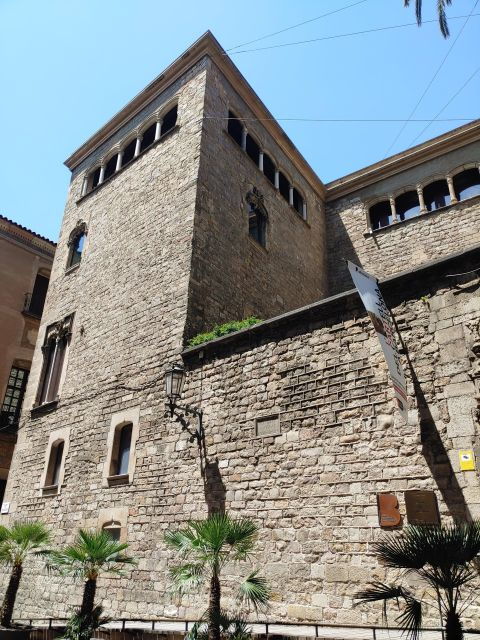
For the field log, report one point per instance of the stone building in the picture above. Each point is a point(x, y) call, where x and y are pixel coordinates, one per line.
point(192, 207)
point(25, 263)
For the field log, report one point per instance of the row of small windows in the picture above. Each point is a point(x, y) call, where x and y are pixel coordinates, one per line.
point(265, 163)
point(433, 196)
point(143, 141)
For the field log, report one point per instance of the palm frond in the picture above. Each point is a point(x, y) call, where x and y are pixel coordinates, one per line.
point(187, 576)
point(254, 590)
point(411, 617)
point(242, 537)
point(22, 539)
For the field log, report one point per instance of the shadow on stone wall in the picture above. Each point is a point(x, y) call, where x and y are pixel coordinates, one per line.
point(213, 485)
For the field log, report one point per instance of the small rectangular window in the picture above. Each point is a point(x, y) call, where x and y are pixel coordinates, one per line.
point(235, 128)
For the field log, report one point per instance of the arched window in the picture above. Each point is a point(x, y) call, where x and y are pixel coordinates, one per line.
point(235, 128)
point(121, 450)
point(284, 186)
point(407, 205)
point(94, 178)
point(380, 215)
point(436, 195)
point(268, 168)
point(55, 347)
point(110, 167)
point(55, 463)
point(129, 152)
point(114, 529)
point(76, 249)
point(257, 217)
point(169, 120)
point(467, 183)
point(148, 137)
point(298, 201)
point(252, 149)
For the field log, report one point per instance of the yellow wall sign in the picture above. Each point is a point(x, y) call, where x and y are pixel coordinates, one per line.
point(467, 460)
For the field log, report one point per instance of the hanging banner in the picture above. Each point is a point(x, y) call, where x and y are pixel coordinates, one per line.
point(369, 291)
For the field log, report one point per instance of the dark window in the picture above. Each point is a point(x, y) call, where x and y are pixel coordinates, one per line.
point(298, 202)
point(269, 168)
point(252, 149)
point(76, 249)
point(12, 402)
point(284, 186)
point(235, 128)
point(148, 137)
point(129, 152)
point(407, 205)
point(56, 457)
point(169, 120)
point(257, 224)
point(113, 529)
point(3, 486)
point(37, 299)
point(436, 195)
point(380, 215)
point(54, 350)
point(467, 184)
point(95, 178)
point(124, 443)
point(110, 167)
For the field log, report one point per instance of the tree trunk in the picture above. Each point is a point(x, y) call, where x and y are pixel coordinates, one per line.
point(453, 626)
point(214, 608)
point(88, 601)
point(6, 611)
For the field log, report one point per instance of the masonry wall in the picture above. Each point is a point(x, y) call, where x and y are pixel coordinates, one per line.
point(232, 275)
point(407, 244)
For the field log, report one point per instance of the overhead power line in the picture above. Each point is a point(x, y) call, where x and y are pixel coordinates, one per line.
point(299, 24)
point(432, 80)
point(219, 117)
point(436, 118)
point(342, 35)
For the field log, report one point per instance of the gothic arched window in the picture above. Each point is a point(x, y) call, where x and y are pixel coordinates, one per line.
point(257, 217)
point(76, 243)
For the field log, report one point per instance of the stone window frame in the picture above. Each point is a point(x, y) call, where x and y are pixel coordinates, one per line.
point(119, 147)
point(419, 187)
point(60, 435)
point(117, 421)
point(114, 515)
point(278, 167)
point(81, 228)
point(255, 202)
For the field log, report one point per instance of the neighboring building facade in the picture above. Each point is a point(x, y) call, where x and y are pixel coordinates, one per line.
point(25, 264)
point(191, 207)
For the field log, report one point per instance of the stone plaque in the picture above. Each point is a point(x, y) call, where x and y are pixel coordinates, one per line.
point(422, 507)
point(267, 426)
point(5, 507)
point(388, 512)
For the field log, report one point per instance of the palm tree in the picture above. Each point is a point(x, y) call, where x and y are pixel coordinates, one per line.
point(91, 554)
point(442, 16)
point(206, 546)
point(445, 558)
point(16, 544)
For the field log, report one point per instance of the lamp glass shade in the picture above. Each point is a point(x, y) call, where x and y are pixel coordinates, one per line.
point(174, 379)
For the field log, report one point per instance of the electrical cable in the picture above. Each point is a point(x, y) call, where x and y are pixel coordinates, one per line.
point(436, 119)
point(337, 119)
point(343, 35)
point(432, 80)
point(299, 24)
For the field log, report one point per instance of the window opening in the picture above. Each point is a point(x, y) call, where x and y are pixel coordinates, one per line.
point(252, 149)
point(381, 215)
point(124, 445)
point(95, 177)
point(110, 167)
point(76, 249)
point(467, 184)
point(14, 394)
point(298, 201)
point(148, 137)
point(114, 529)
point(37, 299)
point(257, 217)
point(269, 168)
point(436, 195)
point(407, 205)
point(129, 152)
point(54, 350)
point(3, 486)
point(284, 186)
point(235, 128)
point(169, 120)
point(56, 457)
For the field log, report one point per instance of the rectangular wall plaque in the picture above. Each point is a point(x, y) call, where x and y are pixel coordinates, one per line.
point(467, 460)
point(267, 426)
point(422, 507)
point(388, 512)
point(5, 507)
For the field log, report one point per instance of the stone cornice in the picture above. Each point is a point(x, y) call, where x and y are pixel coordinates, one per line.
point(405, 160)
point(13, 232)
point(207, 45)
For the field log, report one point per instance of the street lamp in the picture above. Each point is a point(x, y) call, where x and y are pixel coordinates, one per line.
point(174, 381)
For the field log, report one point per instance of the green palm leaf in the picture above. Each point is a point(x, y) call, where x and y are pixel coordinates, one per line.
point(254, 590)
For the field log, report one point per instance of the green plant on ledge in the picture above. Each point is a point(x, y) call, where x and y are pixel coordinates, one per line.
point(220, 330)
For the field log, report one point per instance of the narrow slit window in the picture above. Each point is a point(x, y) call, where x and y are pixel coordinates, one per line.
point(124, 445)
point(169, 120)
point(257, 224)
point(268, 168)
point(436, 195)
point(235, 128)
point(284, 186)
point(380, 215)
point(467, 184)
point(407, 205)
point(55, 464)
point(148, 137)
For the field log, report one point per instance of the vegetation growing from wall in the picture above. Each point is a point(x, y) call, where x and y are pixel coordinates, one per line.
point(220, 330)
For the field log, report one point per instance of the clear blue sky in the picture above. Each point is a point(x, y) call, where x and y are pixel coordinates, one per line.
point(68, 66)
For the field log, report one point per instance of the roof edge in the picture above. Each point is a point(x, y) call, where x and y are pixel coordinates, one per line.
point(25, 230)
